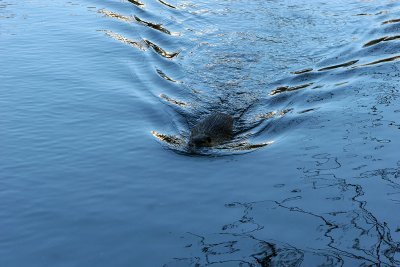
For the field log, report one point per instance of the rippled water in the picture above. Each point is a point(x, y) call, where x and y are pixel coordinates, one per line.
point(97, 100)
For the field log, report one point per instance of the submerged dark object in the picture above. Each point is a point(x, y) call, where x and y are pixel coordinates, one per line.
point(211, 131)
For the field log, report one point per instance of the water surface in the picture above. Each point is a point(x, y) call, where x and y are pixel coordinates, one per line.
point(97, 101)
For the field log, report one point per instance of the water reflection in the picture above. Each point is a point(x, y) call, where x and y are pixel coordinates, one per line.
point(342, 230)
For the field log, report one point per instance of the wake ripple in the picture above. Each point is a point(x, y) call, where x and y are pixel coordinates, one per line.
point(266, 112)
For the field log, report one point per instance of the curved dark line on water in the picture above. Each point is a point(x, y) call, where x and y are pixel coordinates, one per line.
point(383, 39)
point(152, 25)
point(363, 14)
point(339, 65)
point(166, 4)
point(141, 45)
point(302, 71)
point(391, 21)
point(306, 110)
point(380, 61)
point(160, 51)
point(165, 76)
point(173, 101)
point(342, 83)
point(137, 3)
point(283, 89)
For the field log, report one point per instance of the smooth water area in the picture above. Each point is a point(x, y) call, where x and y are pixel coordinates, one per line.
point(97, 99)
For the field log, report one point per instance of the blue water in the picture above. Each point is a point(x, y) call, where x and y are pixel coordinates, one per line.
point(97, 101)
